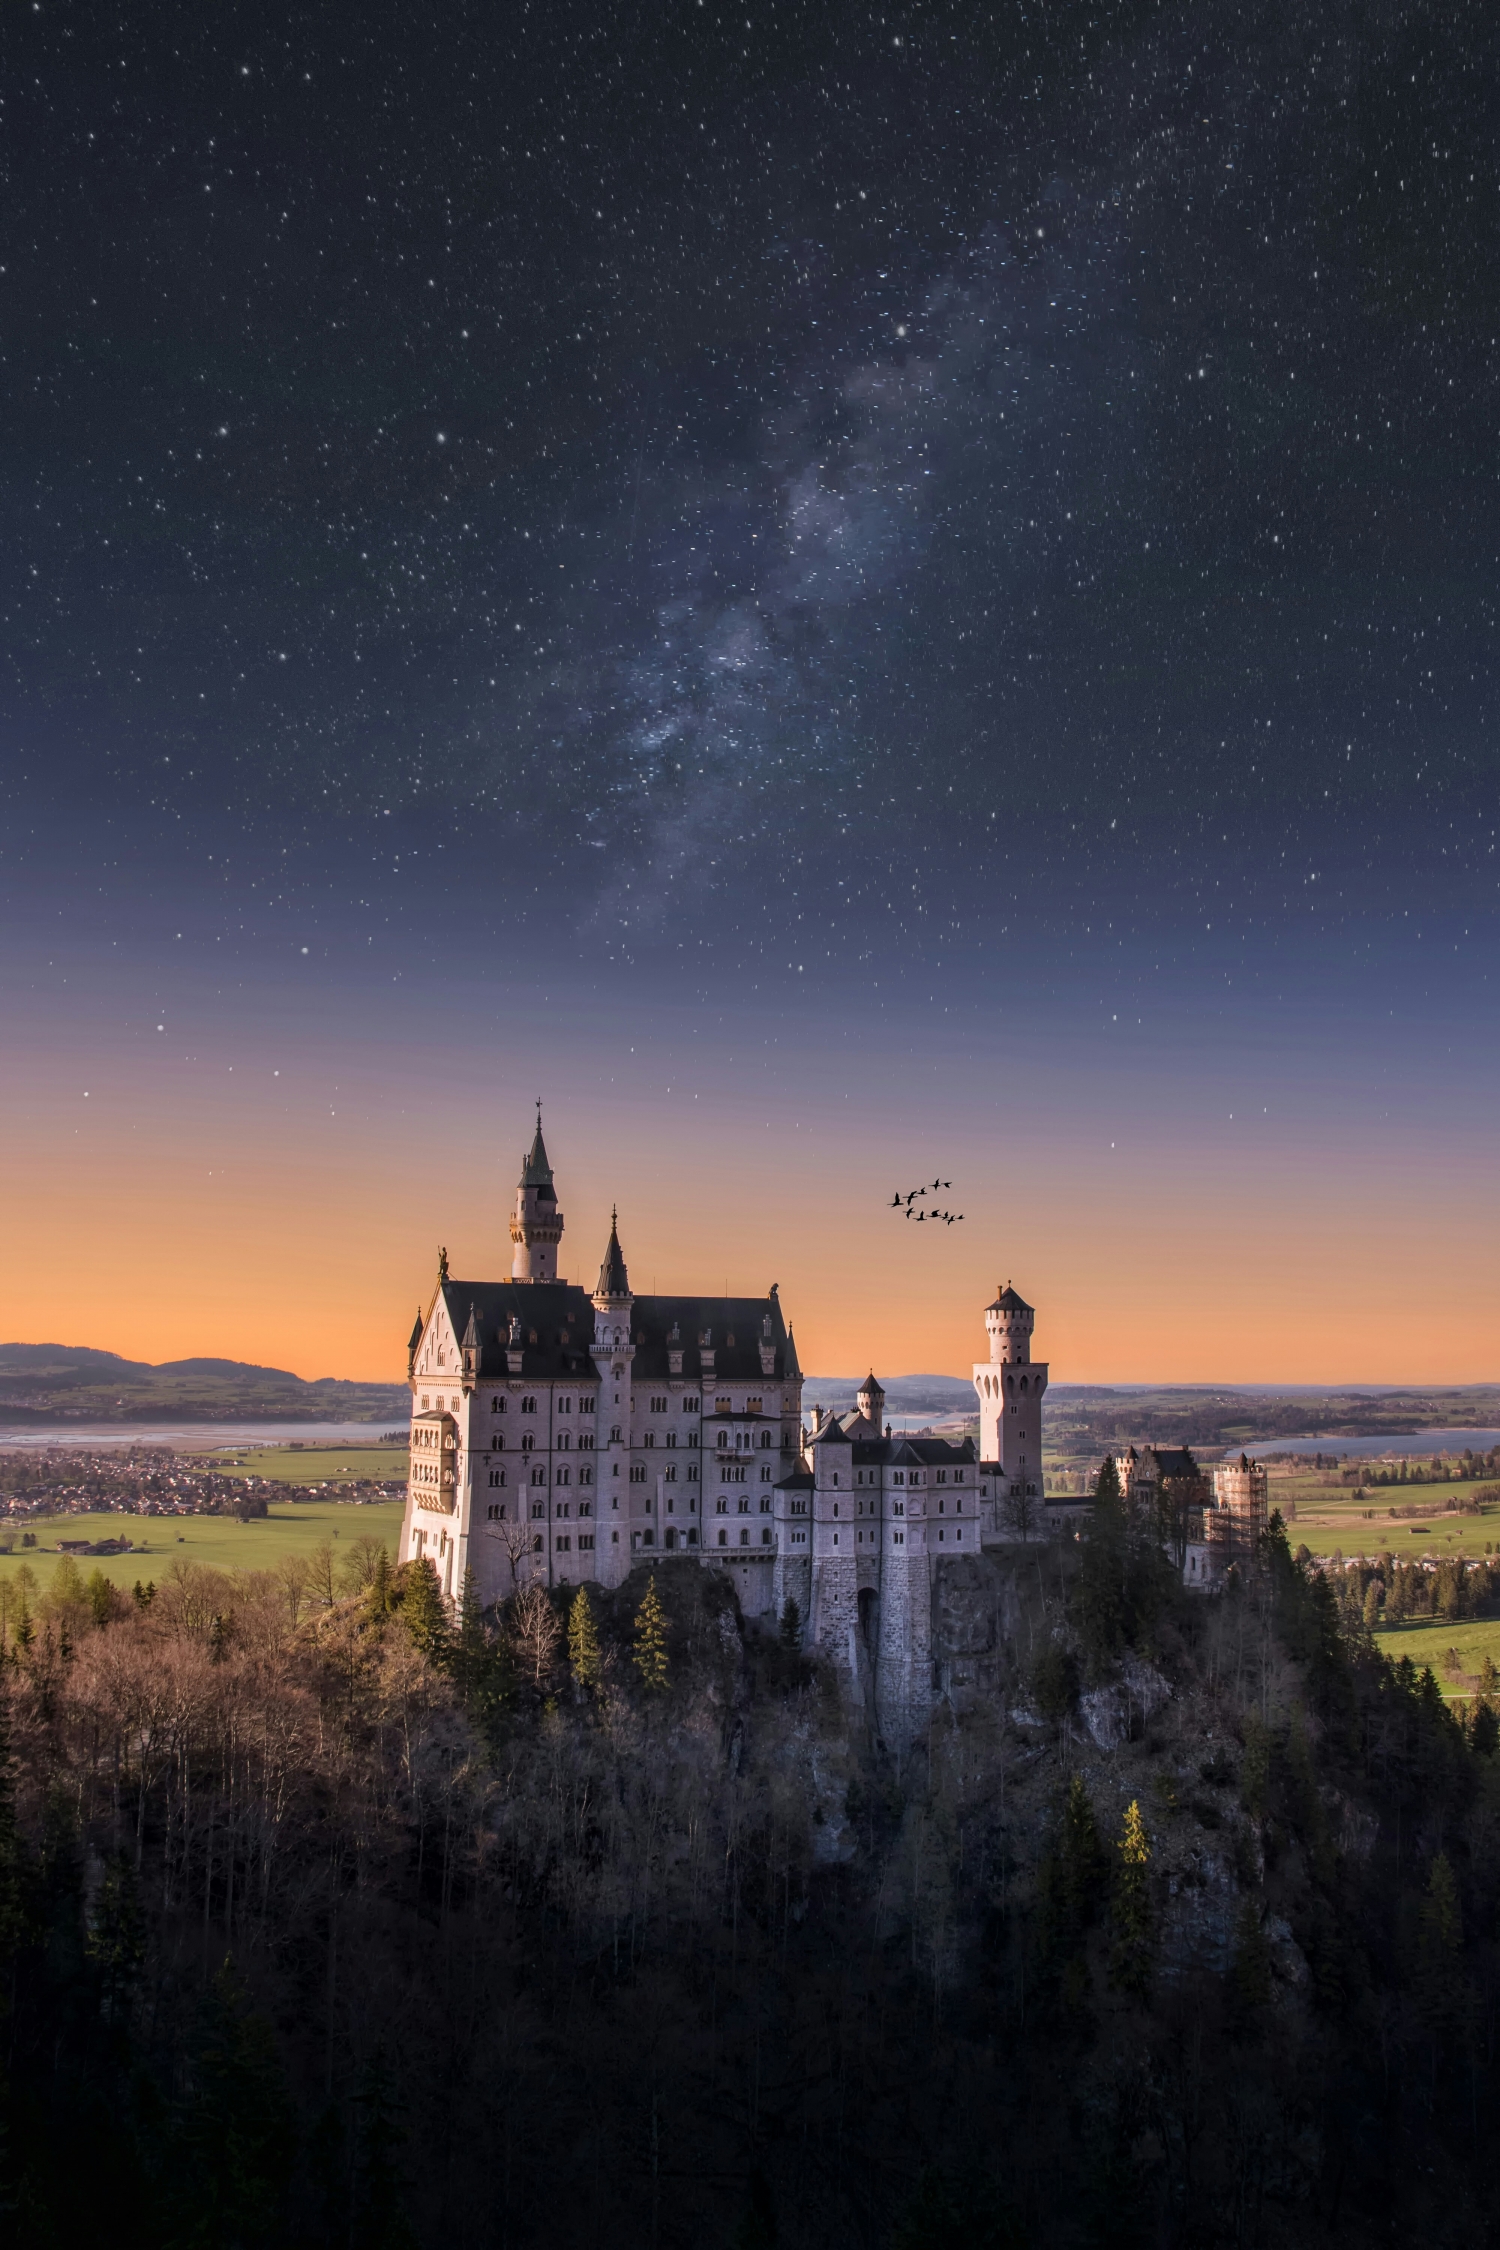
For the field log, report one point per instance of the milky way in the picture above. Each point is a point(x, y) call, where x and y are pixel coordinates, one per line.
point(692, 466)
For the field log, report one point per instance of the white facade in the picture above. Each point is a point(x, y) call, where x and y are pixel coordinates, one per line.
point(567, 1436)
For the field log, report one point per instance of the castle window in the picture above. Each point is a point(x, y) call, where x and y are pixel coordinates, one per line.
point(585, 1406)
point(538, 1476)
point(538, 1510)
point(563, 1546)
point(723, 1437)
point(765, 1537)
point(723, 1539)
point(942, 1476)
point(650, 1437)
point(765, 1476)
point(898, 1477)
point(692, 1438)
point(497, 1514)
point(765, 1507)
point(670, 1475)
point(744, 1507)
point(637, 1472)
point(692, 1475)
point(536, 1544)
point(692, 1537)
point(898, 1538)
point(562, 1477)
point(564, 1440)
point(648, 1537)
point(658, 1406)
point(744, 1538)
point(497, 1441)
point(585, 1507)
point(691, 1405)
point(426, 1403)
point(585, 1476)
point(565, 1405)
point(528, 1405)
point(671, 1437)
point(497, 1405)
point(586, 1545)
point(585, 1441)
point(721, 1507)
point(528, 1442)
point(497, 1478)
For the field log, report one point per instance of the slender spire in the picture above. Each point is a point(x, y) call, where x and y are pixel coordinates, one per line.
point(471, 1333)
point(614, 1281)
point(793, 1369)
point(535, 1170)
point(415, 1337)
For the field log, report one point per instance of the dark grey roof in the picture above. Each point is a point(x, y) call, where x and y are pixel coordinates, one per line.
point(1009, 1300)
point(419, 1329)
point(800, 1480)
point(915, 1453)
point(872, 1385)
point(830, 1431)
point(562, 1317)
point(535, 1170)
point(614, 1281)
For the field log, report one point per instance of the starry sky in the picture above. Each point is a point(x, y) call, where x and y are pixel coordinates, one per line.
point(841, 595)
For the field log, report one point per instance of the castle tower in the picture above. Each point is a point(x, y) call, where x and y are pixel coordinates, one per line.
point(536, 1223)
point(871, 1403)
point(1010, 1386)
point(613, 1355)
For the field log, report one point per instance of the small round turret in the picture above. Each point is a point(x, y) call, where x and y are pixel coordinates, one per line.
point(1009, 1322)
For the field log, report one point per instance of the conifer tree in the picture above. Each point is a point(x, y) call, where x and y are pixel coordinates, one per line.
point(422, 1610)
point(650, 1655)
point(584, 1660)
point(380, 1600)
point(1132, 1928)
point(473, 1658)
point(791, 1625)
point(1103, 1576)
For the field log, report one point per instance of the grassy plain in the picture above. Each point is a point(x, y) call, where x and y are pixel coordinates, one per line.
point(218, 1540)
point(1328, 1520)
point(344, 1464)
point(1428, 1640)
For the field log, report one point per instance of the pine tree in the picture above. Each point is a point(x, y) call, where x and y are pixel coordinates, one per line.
point(380, 1600)
point(1071, 1880)
point(474, 1659)
point(12, 1851)
point(791, 1625)
point(584, 1660)
point(101, 1597)
point(1103, 1576)
point(1132, 1927)
point(422, 1609)
point(650, 1654)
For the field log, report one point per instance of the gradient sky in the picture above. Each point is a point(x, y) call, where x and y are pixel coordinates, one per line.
point(843, 596)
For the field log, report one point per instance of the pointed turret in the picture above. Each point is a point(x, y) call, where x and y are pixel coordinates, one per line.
point(614, 1281)
point(536, 1223)
point(470, 1347)
point(792, 1364)
point(413, 1342)
point(871, 1401)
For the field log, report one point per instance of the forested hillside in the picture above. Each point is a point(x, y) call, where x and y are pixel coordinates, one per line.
point(326, 1921)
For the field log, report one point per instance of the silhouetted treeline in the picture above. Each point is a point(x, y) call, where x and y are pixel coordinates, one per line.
point(326, 1919)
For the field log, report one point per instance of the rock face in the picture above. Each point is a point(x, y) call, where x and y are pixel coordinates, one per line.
point(975, 1612)
point(1114, 1713)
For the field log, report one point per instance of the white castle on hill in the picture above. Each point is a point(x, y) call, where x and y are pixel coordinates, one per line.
point(568, 1435)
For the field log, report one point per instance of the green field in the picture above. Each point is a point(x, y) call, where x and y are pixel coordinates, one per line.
point(1427, 1641)
point(218, 1540)
point(1327, 1521)
point(345, 1464)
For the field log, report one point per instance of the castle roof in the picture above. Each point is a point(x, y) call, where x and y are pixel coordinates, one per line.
point(870, 1386)
point(1009, 1300)
point(535, 1170)
point(913, 1453)
point(614, 1281)
point(557, 1331)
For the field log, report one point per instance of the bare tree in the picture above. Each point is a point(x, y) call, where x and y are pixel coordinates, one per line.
point(1021, 1510)
point(320, 1575)
point(515, 1539)
point(535, 1630)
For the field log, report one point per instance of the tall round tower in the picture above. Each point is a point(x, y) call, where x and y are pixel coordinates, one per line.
point(536, 1224)
point(1010, 1386)
point(1009, 1322)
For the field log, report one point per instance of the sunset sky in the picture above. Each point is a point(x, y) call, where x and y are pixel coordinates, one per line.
point(847, 601)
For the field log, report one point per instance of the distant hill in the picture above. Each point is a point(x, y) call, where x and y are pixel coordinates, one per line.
point(42, 1383)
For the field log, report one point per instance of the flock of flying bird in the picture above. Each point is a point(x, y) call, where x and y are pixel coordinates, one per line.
point(903, 1203)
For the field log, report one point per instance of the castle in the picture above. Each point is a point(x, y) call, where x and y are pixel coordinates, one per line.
point(566, 1435)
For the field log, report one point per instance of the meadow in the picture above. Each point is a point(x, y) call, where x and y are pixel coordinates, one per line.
point(222, 1541)
point(288, 1464)
point(1428, 1640)
point(1329, 1521)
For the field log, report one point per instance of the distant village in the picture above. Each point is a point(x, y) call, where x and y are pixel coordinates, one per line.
point(144, 1481)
